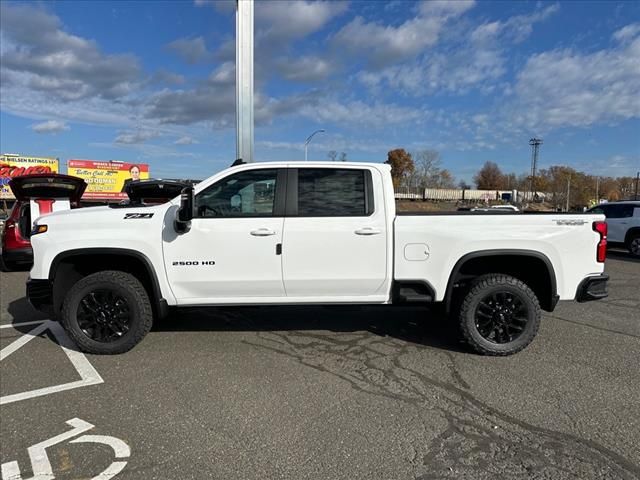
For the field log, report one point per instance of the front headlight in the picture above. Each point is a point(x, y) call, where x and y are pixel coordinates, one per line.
point(38, 229)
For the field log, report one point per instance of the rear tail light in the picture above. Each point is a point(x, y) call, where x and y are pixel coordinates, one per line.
point(601, 249)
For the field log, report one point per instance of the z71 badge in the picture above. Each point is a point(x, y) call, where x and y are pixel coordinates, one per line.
point(127, 216)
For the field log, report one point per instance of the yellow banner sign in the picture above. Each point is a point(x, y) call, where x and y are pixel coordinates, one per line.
point(107, 179)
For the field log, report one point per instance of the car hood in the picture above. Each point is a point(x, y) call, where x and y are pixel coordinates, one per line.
point(102, 217)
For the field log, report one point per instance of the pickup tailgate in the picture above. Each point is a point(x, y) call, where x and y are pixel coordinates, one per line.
point(429, 246)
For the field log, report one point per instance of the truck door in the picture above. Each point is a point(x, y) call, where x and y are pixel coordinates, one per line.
point(335, 236)
point(232, 250)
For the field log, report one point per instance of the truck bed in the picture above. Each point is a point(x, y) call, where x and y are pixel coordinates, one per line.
point(429, 245)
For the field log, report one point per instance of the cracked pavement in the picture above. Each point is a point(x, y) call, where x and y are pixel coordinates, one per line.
point(342, 392)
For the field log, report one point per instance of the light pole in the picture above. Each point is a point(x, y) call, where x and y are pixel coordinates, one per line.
point(244, 80)
point(306, 143)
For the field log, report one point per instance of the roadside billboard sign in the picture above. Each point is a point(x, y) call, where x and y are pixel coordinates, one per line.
point(12, 165)
point(107, 180)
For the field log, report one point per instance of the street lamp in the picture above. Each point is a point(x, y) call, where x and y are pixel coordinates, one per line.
point(306, 143)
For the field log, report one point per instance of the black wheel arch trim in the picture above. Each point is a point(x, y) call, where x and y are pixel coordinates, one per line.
point(503, 252)
point(159, 303)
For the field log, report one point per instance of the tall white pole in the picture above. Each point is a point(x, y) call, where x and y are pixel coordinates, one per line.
point(244, 80)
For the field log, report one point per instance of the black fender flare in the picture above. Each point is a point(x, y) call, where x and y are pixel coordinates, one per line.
point(503, 252)
point(159, 303)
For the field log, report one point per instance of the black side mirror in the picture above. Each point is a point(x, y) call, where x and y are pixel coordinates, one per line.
point(185, 212)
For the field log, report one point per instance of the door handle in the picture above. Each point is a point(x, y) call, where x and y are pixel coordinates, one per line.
point(262, 232)
point(368, 231)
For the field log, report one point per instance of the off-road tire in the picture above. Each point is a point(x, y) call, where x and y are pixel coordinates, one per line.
point(480, 289)
point(633, 245)
point(126, 286)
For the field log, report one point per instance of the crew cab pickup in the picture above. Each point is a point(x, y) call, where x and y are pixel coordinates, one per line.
point(309, 233)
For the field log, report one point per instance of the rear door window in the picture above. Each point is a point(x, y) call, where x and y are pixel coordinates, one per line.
point(333, 192)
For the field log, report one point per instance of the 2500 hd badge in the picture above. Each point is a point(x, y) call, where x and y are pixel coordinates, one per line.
point(193, 263)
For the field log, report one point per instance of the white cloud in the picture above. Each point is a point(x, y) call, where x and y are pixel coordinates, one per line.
point(304, 69)
point(383, 45)
point(191, 50)
point(445, 8)
point(36, 53)
point(474, 60)
point(164, 76)
point(185, 140)
point(568, 88)
point(627, 33)
point(357, 114)
point(135, 137)
point(49, 126)
point(520, 27)
point(456, 72)
point(294, 19)
point(206, 103)
point(225, 74)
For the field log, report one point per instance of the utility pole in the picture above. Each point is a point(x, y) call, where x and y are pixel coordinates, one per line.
point(244, 80)
point(535, 148)
point(635, 196)
point(597, 190)
point(568, 191)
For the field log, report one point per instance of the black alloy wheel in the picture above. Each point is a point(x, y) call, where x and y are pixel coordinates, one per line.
point(107, 312)
point(104, 316)
point(501, 317)
point(499, 314)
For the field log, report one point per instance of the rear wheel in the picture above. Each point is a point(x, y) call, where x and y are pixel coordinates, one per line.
point(633, 245)
point(499, 315)
point(107, 312)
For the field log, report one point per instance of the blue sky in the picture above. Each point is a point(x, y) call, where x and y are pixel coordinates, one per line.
point(153, 82)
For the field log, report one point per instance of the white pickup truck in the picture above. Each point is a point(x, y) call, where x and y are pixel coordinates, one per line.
point(308, 233)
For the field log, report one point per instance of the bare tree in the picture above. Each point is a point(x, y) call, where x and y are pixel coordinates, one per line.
point(428, 172)
point(332, 155)
point(343, 157)
point(443, 179)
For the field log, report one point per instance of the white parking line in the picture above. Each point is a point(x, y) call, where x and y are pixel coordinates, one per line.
point(88, 374)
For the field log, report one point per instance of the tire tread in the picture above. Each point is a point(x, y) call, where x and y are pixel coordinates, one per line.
point(123, 279)
point(477, 287)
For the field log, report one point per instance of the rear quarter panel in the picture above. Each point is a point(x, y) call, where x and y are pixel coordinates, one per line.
point(569, 246)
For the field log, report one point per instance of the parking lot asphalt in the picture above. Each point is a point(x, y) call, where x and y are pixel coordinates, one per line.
point(326, 392)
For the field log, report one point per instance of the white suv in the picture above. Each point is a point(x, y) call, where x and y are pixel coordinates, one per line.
point(623, 220)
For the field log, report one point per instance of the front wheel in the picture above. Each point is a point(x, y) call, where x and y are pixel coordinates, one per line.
point(499, 315)
point(107, 312)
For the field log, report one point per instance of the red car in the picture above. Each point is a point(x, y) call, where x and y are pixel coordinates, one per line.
point(36, 195)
